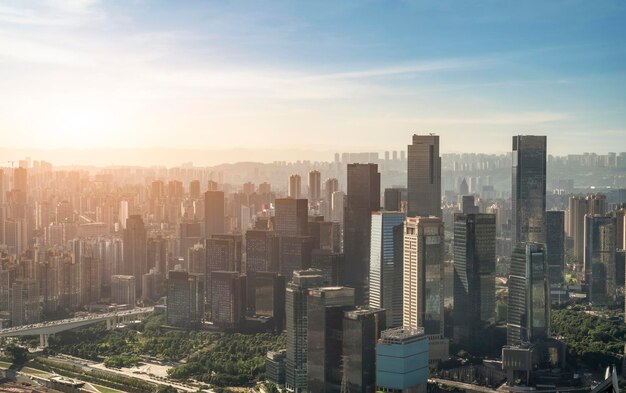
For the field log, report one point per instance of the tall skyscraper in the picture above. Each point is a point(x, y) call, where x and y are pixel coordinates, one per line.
point(402, 361)
point(361, 331)
point(227, 298)
point(295, 186)
point(423, 279)
point(213, 213)
point(424, 176)
point(528, 317)
point(555, 242)
point(261, 251)
point(474, 274)
point(123, 290)
point(291, 217)
point(325, 311)
point(315, 185)
point(394, 198)
point(297, 326)
point(363, 198)
point(194, 189)
point(599, 262)
point(386, 254)
point(330, 186)
point(135, 249)
point(529, 189)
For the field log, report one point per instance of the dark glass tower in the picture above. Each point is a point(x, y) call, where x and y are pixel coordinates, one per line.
point(474, 273)
point(555, 241)
point(599, 263)
point(213, 213)
point(291, 217)
point(363, 198)
point(529, 189)
point(529, 295)
point(135, 249)
point(424, 176)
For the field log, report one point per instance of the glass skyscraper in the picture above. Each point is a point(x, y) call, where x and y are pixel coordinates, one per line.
point(529, 189)
point(424, 176)
point(599, 263)
point(386, 265)
point(402, 361)
point(555, 241)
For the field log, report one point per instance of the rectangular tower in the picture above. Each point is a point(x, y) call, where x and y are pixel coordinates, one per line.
point(555, 241)
point(424, 176)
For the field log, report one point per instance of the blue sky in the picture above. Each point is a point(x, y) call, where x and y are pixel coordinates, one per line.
point(324, 75)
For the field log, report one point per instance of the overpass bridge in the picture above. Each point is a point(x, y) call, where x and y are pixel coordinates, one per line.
point(45, 329)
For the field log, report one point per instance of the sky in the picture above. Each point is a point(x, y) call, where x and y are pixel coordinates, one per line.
point(317, 75)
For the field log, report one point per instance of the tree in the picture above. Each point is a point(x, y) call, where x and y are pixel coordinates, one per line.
point(17, 354)
point(166, 389)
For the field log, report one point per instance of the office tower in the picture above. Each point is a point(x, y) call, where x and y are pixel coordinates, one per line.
point(529, 189)
point(25, 308)
point(227, 298)
point(275, 367)
point(474, 274)
point(599, 260)
point(326, 234)
point(577, 209)
point(528, 317)
point(213, 213)
point(394, 198)
point(175, 190)
point(178, 298)
point(261, 251)
point(123, 290)
point(330, 186)
point(463, 187)
point(325, 310)
point(294, 253)
point(135, 249)
point(297, 327)
point(468, 204)
point(555, 242)
point(331, 264)
point(20, 180)
point(295, 187)
point(123, 214)
point(315, 185)
point(153, 285)
point(424, 176)
point(291, 217)
point(386, 254)
point(402, 361)
point(269, 300)
point(337, 207)
point(363, 198)
point(157, 254)
point(194, 189)
point(223, 253)
point(212, 185)
point(361, 331)
point(423, 277)
point(196, 259)
point(157, 190)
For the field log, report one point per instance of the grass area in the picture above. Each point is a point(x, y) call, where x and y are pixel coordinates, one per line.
point(104, 389)
point(5, 365)
point(36, 372)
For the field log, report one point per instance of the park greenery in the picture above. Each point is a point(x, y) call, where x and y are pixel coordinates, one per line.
point(221, 359)
point(592, 341)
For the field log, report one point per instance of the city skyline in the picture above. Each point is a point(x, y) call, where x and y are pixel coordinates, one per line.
point(203, 76)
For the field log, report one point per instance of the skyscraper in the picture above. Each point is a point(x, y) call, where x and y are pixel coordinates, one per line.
point(295, 186)
point(402, 361)
point(194, 189)
point(555, 242)
point(363, 198)
point(424, 176)
point(330, 186)
point(394, 198)
point(135, 250)
point(291, 217)
point(123, 290)
point(227, 301)
point(474, 274)
point(297, 326)
point(213, 213)
point(315, 185)
point(599, 262)
point(528, 317)
point(529, 189)
point(423, 279)
point(325, 310)
point(386, 254)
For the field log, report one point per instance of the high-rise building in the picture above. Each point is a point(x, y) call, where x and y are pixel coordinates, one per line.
point(213, 213)
point(294, 253)
point(529, 189)
point(123, 290)
point(394, 198)
point(25, 307)
point(363, 198)
point(361, 331)
point(386, 256)
point(555, 242)
point(474, 274)
point(599, 260)
point(269, 299)
point(423, 278)
point(424, 176)
point(295, 186)
point(325, 309)
point(338, 203)
point(402, 361)
point(227, 298)
point(20, 179)
point(330, 186)
point(194, 189)
point(297, 326)
point(178, 298)
point(135, 249)
point(123, 214)
point(315, 185)
point(261, 251)
point(291, 217)
point(528, 317)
